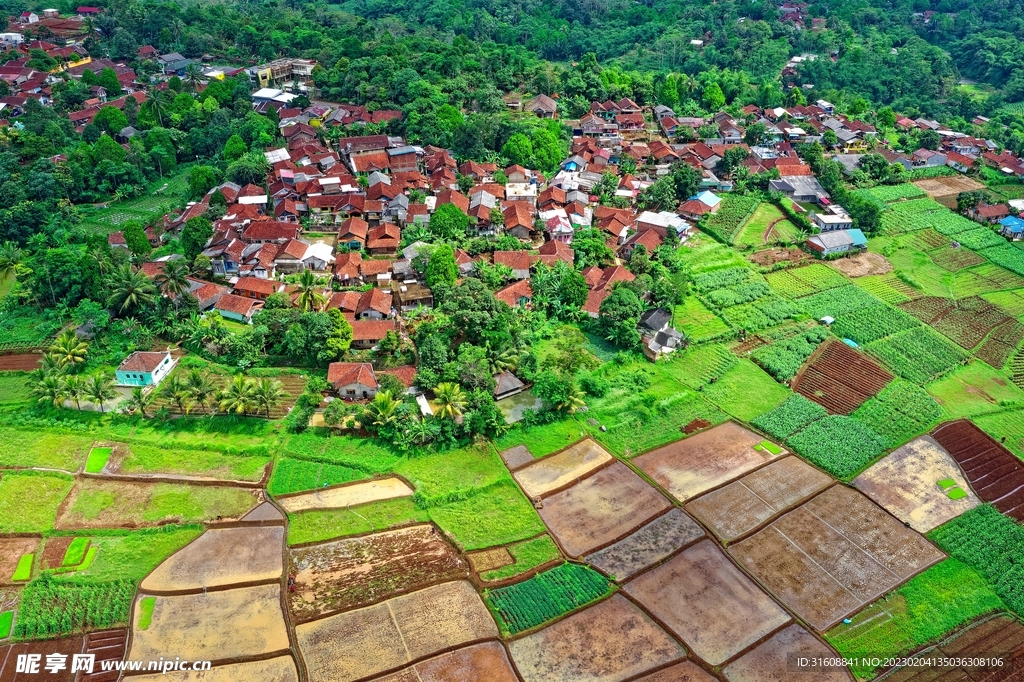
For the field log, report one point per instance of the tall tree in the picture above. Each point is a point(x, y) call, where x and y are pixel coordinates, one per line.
point(310, 298)
point(268, 393)
point(451, 400)
point(239, 396)
point(130, 290)
point(68, 349)
point(100, 389)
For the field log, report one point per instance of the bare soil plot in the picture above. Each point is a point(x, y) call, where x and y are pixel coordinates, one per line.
point(770, 257)
point(490, 559)
point(280, 669)
point(556, 471)
point(993, 471)
point(343, 574)
point(743, 505)
point(920, 484)
point(25, 362)
point(693, 465)
point(647, 546)
point(601, 509)
point(863, 264)
point(687, 671)
point(214, 626)
point(945, 186)
point(485, 662)
point(9, 659)
point(1000, 637)
point(709, 603)
point(612, 640)
point(106, 645)
point(11, 550)
point(840, 378)
point(516, 457)
point(347, 495)
point(54, 550)
point(221, 556)
point(390, 634)
point(768, 661)
point(264, 512)
point(834, 554)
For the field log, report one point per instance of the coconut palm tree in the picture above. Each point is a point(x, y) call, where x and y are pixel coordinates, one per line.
point(175, 390)
point(139, 400)
point(68, 349)
point(310, 297)
point(192, 78)
point(382, 411)
point(50, 389)
point(200, 389)
point(100, 389)
point(130, 290)
point(74, 388)
point(239, 396)
point(268, 393)
point(451, 400)
point(157, 105)
point(10, 260)
point(572, 401)
point(173, 281)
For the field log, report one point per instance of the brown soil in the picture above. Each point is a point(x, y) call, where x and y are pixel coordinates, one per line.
point(107, 645)
point(516, 457)
point(280, 669)
point(612, 640)
point(743, 505)
point(386, 636)
point(556, 471)
point(11, 550)
point(54, 550)
point(840, 378)
point(905, 483)
point(696, 425)
point(343, 574)
point(347, 495)
point(863, 264)
point(770, 257)
point(1001, 637)
point(481, 662)
point(264, 512)
point(688, 467)
point(687, 671)
point(713, 607)
point(835, 553)
point(994, 472)
point(490, 559)
point(601, 509)
point(768, 662)
point(25, 362)
point(66, 645)
point(945, 186)
point(255, 554)
point(647, 546)
point(215, 626)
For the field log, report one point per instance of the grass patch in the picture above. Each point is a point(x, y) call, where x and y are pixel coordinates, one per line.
point(98, 458)
point(295, 475)
point(369, 456)
point(497, 516)
point(317, 525)
point(973, 390)
point(47, 449)
point(1008, 425)
point(133, 554)
point(75, 554)
point(116, 503)
point(545, 596)
point(146, 612)
point(544, 439)
point(528, 554)
point(752, 232)
point(24, 568)
point(6, 621)
point(146, 458)
point(29, 501)
point(746, 391)
point(922, 611)
point(13, 389)
point(770, 447)
point(698, 322)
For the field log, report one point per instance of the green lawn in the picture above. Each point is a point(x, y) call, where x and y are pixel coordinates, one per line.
point(746, 391)
point(920, 612)
point(49, 449)
point(527, 554)
point(13, 389)
point(973, 390)
point(98, 458)
point(29, 501)
point(694, 319)
point(448, 476)
point(132, 554)
point(497, 516)
point(543, 440)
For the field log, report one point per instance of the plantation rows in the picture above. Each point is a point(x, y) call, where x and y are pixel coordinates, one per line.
point(840, 445)
point(783, 359)
point(742, 298)
point(890, 193)
point(789, 417)
point(910, 216)
point(836, 302)
point(294, 475)
point(706, 363)
point(1006, 256)
point(872, 323)
point(726, 223)
point(918, 355)
point(545, 596)
point(887, 288)
point(806, 280)
point(899, 412)
point(49, 608)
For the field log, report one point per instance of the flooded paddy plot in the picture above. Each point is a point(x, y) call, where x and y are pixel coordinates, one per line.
point(993, 471)
point(388, 635)
point(743, 505)
point(768, 661)
point(647, 546)
point(612, 640)
point(214, 626)
point(556, 471)
point(709, 603)
point(221, 556)
point(601, 509)
point(920, 484)
point(343, 574)
point(834, 554)
point(347, 495)
point(280, 669)
point(699, 463)
point(485, 662)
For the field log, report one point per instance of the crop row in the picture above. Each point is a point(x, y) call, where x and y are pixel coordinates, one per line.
point(901, 411)
point(836, 302)
point(783, 359)
point(1006, 256)
point(743, 292)
point(910, 216)
point(789, 417)
point(720, 279)
point(762, 313)
point(785, 283)
point(726, 223)
point(890, 193)
point(978, 238)
point(294, 475)
point(865, 325)
point(838, 444)
point(887, 288)
point(706, 363)
point(49, 608)
point(545, 596)
point(919, 354)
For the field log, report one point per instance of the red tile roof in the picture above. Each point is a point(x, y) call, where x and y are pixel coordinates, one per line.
point(142, 361)
point(406, 374)
point(255, 285)
point(514, 292)
point(371, 330)
point(346, 373)
point(239, 305)
point(517, 260)
point(375, 299)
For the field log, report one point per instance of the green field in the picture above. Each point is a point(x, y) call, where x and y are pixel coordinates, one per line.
point(752, 233)
point(48, 449)
point(746, 391)
point(155, 459)
point(527, 554)
point(14, 390)
point(544, 439)
point(699, 324)
point(29, 501)
point(132, 554)
point(973, 390)
point(98, 458)
point(110, 503)
point(162, 195)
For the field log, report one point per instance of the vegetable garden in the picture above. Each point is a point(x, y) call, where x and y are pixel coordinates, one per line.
point(918, 355)
point(545, 596)
point(840, 445)
point(901, 411)
point(49, 608)
point(789, 417)
point(726, 223)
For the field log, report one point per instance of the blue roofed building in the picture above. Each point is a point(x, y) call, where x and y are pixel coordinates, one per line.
point(1012, 227)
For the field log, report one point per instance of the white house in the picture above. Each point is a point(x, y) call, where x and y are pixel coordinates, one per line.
point(143, 368)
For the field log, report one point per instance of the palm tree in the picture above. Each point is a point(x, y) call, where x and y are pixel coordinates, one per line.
point(175, 390)
point(268, 393)
point(193, 77)
point(451, 400)
point(74, 387)
point(130, 290)
point(68, 349)
point(501, 359)
point(157, 105)
point(382, 411)
point(173, 281)
point(100, 389)
point(573, 400)
point(50, 390)
point(310, 297)
point(139, 400)
point(10, 260)
point(200, 388)
point(239, 396)
point(423, 431)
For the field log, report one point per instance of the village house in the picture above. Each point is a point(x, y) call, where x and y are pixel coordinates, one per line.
point(143, 368)
point(237, 308)
point(837, 242)
point(658, 336)
point(352, 380)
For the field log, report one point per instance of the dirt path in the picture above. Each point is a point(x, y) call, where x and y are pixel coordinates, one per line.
point(768, 230)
